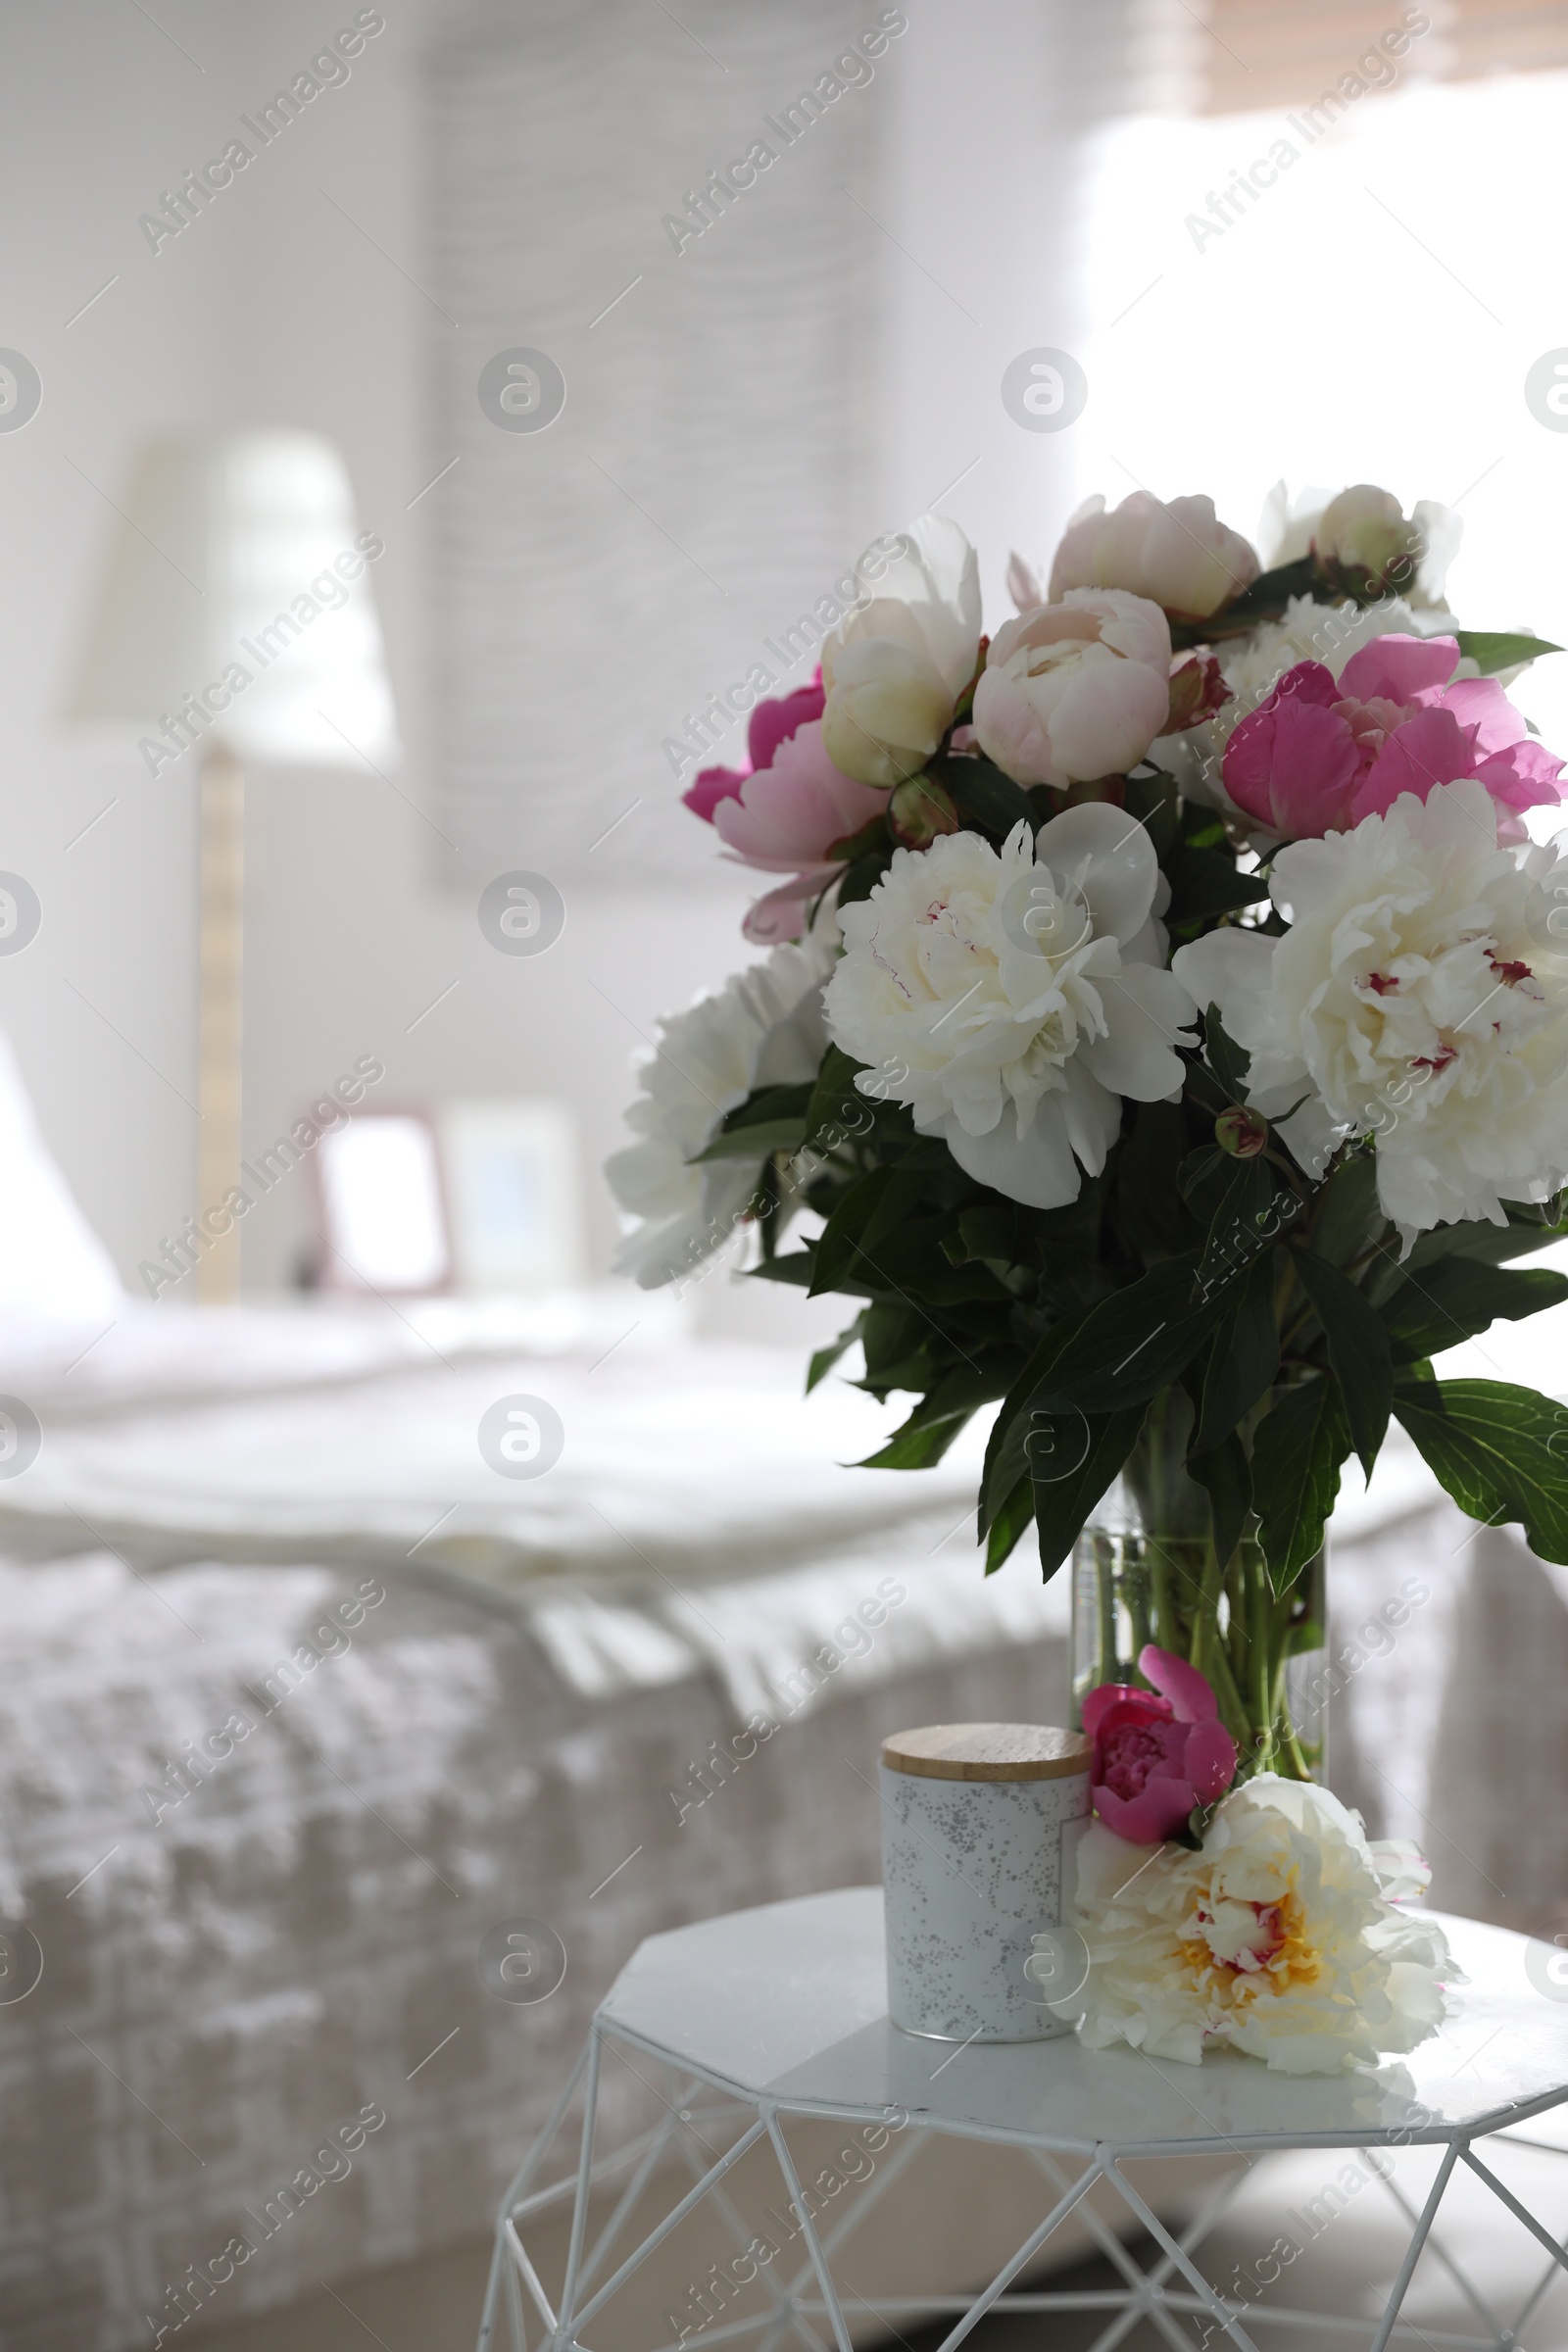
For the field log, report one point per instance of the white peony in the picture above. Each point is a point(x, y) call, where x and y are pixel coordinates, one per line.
point(1011, 1000)
point(763, 1028)
point(1277, 1938)
point(1365, 527)
point(1419, 996)
point(894, 670)
point(1288, 526)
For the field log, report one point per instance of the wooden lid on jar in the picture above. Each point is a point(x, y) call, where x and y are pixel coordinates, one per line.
point(987, 1751)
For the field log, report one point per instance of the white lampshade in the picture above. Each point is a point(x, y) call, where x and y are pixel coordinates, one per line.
point(242, 552)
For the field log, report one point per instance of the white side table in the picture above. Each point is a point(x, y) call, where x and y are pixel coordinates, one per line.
point(783, 2012)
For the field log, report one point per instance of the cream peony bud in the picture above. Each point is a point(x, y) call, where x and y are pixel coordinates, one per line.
point(893, 671)
point(1177, 554)
point(1363, 529)
point(887, 706)
point(1363, 534)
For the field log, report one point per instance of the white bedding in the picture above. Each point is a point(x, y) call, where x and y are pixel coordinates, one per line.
point(693, 1461)
point(134, 1353)
point(703, 1512)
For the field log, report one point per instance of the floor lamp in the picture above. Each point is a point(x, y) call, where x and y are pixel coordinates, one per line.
point(234, 629)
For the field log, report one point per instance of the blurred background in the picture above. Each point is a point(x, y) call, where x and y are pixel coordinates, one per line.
point(406, 443)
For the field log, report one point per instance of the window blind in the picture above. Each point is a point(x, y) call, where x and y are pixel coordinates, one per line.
point(597, 583)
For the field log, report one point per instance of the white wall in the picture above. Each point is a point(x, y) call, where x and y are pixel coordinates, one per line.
point(271, 308)
point(98, 118)
point(275, 307)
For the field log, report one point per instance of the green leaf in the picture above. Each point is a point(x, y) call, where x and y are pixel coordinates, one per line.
point(841, 1245)
point(797, 1270)
point(1500, 1451)
point(771, 1119)
point(1153, 798)
point(1358, 1350)
point(1244, 1361)
point(1100, 1445)
point(1151, 1206)
point(1347, 1217)
point(1005, 1461)
point(1201, 828)
point(1015, 1514)
point(1266, 599)
point(905, 1256)
point(1296, 1452)
point(1229, 1062)
point(1197, 1173)
point(924, 1437)
point(1207, 882)
point(862, 876)
point(1006, 1458)
point(1527, 1228)
point(988, 1232)
point(771, 1104)
point(759, 1141)
point(835, 1099)
point(1499, 649)
point(980, 790)
point(894, 1334)
point(824, 1358)
point(1134, 1343)
point(916, 1445)
point(873, 835)
point(1459, 1296)
point(877, 1207)
point(1227, 1474)
point(766, 1201)
point(1243, 1222)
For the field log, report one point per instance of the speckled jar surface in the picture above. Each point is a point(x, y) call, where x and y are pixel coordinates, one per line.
point(979, 1826)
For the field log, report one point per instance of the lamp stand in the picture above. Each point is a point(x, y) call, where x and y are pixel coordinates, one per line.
point(220, 958)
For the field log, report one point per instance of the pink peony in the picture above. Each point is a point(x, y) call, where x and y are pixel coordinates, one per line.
point(771, 724)
point(1076, 690)
point(786, 810)
point(1177, 553)
point(1156, 1754)
point(1322, 753)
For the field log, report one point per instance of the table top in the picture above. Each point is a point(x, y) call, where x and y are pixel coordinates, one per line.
point(789, 2001)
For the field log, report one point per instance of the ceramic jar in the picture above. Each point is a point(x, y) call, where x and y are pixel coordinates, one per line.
point(979, 1829)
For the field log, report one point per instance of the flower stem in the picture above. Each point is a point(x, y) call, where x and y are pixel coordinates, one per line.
point(1232, 1710)
point(1258, 1661)
point(1106, 1596)
point(1167, 1629)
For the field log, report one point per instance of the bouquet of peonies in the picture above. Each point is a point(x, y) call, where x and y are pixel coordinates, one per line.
point(1164, 1035)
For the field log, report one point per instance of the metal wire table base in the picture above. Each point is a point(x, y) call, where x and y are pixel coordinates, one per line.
point(801, 2302)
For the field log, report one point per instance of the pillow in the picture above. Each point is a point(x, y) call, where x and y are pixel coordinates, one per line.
point(53, 1267)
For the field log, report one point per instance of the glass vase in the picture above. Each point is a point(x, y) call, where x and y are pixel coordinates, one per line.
point(1147, 1570)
